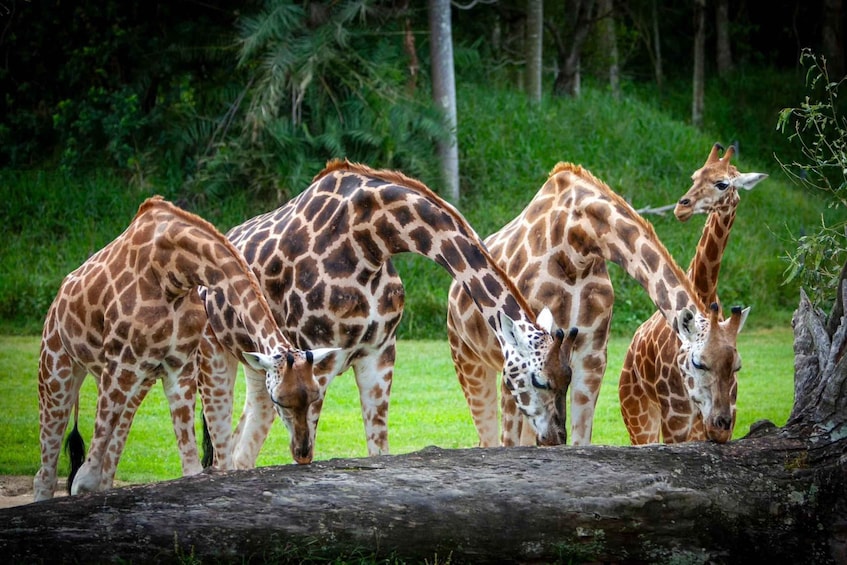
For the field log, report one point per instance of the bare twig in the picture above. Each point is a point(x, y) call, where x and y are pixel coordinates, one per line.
point(658, 211)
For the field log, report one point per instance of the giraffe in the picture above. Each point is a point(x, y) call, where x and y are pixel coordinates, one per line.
point(556, 251)
point(132, 314)
point(654, 397)
point(324, 263)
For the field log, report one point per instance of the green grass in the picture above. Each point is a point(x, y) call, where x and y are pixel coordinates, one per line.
point(427, 407)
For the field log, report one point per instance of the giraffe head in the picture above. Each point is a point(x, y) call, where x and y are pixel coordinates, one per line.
point(709, 363)
point(293, 388)
point(537, 372)
point(715, 184)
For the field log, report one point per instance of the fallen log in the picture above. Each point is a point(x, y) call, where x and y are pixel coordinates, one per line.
point(762, 498)
point(778, 495)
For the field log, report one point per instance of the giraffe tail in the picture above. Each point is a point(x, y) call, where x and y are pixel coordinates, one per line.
point(75, 447)
point(208, 447)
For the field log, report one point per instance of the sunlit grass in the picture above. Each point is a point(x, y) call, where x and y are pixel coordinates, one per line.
point(427, 407)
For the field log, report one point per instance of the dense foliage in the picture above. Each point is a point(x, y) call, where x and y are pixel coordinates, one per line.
point(230, 108)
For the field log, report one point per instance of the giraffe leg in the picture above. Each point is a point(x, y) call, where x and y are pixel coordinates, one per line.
point(117, 440)
point(641, 415)
point(374, 373)
point(255, 422)
point(181, 391)
point(111, 405)
point(585, 389)
point(216, 375)
point(59, 380)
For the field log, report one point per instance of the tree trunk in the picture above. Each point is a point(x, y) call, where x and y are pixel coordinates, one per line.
point(444, 91)
point(724, 51)
point(569, 50)
point(609, 44)
point(833, 37)
point(657, 48)
point(699, 62)
point(534, 52)
point(772, 498)
point(778, 496)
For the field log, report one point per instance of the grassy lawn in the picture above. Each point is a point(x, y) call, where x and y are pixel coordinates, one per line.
point(427, 407)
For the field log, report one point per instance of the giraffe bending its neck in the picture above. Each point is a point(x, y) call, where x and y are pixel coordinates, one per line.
point(654, 396)
point(131, 314)
point(556, 252)
point(323, 260)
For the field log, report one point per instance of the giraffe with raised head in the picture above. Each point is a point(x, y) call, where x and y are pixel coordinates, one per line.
point(132, 314)
point(324, 263)
point(556, 251)
point(656, 401)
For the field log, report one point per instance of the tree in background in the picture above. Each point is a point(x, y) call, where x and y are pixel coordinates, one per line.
point(609, 44)
point(444, 91)
point(569, 42)
point(325, 80)
point(723, 47)
point(698, 82)
point(534, 48)
point(833, 36)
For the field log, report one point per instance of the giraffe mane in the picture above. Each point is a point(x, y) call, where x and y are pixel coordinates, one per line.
point(620, 202)
point(396, 177)
point(159, 202)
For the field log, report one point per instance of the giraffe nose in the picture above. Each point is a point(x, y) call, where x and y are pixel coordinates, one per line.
point(685, 202)
point(723, 422)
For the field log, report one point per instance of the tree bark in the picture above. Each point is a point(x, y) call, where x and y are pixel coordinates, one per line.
point(569, 48)
point(724, 49)
point(833, 36)
point(534, 51)
point(444, 91)
point(770, 498)
point(699, 63)
point(657, 48)
point(609, 44)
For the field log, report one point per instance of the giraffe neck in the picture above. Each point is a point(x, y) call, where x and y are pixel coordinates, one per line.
point(388, 213)
point(598, 222)
point(706, 264)
point(189, 253)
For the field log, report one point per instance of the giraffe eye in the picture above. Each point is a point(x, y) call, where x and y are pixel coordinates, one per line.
point(538, 384)
point(722, 185)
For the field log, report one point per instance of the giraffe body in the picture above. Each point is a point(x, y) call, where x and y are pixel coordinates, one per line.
point(656, 401)
point(555, 251)
point(131, 314)
point(324, 263)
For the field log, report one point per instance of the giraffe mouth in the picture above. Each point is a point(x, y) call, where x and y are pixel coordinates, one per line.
point(683, 213)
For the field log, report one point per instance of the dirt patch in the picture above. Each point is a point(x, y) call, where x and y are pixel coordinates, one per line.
point(17, 489)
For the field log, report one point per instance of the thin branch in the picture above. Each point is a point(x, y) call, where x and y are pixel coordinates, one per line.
point(472, 4)
point(660, 211)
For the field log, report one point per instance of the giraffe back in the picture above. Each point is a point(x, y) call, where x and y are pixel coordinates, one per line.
point(324, 263)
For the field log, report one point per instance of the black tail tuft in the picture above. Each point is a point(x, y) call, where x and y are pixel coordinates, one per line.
point(208, 448)
point(75, 448)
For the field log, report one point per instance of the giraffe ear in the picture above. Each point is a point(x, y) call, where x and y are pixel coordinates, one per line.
point(511, 333)
point(748, 180)
point(259, 361)
point(545, 320)
point(322, 353)
point(686, 326)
